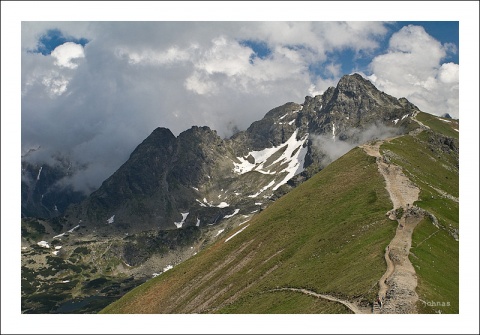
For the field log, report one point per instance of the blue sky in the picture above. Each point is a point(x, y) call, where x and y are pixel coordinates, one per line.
point(443, 31)
point(53, 38)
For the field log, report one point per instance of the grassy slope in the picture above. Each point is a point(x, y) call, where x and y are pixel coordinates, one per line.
point(327, 235)
point(434, 253)
point(435, 123)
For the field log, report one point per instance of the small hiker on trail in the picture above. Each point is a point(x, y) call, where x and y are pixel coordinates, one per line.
point(379, 302)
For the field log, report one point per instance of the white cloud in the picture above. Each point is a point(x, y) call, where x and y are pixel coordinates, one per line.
point(448, 73)
point(412, 68)
point(41, 78)
point(200, 84)
point(65, 53)
point(55, 83)
point(357, 35)
point(333, 69)
point(322, 36)
point(226, 57)
point(155, 57)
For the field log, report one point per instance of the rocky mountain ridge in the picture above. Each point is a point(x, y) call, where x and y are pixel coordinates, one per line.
point(209, 178)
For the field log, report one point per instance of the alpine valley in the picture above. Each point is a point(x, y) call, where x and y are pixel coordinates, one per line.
point(319, 207)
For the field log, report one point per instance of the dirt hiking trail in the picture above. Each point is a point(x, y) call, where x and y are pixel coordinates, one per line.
point(397, 285)
point(354, 307)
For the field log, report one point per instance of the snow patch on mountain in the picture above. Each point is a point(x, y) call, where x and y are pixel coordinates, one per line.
point(59, 235)
point(184, 217)
point(292, 155)
point(297, 155)
point(238, 232)
point(43, 244)
point(259, 157)
point(39, 172)
point(71, 230)
point(235, 212)
point(205, 203)
point(263, 189)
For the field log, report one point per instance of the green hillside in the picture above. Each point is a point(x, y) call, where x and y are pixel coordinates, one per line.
point(328, 235)
point(430, 160)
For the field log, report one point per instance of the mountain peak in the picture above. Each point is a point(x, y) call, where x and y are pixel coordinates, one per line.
point(353, 82)
point(197, 131)
point(162, 132)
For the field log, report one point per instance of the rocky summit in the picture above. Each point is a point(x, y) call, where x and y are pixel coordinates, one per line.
point(175, 195)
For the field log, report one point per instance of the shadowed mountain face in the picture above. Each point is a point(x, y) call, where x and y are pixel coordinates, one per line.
point(209, 178)
point(43, 192)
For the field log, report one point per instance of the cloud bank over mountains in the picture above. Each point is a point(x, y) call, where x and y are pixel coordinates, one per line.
point(94, 90)
point(412, 67)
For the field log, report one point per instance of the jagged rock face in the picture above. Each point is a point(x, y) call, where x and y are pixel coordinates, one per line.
point(274, 129)
point(354, 104)
point(157, 182)
point(198, 178)
point(140, 178)
point(200, 155)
